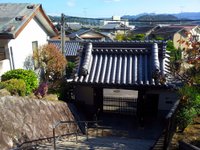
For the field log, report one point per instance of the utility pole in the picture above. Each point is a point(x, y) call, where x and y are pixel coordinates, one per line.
point(63, 33)
point(63, 37)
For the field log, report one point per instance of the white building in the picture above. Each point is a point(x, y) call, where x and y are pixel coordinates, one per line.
point(23, 27)
point(115, 19)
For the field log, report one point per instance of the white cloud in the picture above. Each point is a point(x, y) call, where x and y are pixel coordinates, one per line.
point(71, 3)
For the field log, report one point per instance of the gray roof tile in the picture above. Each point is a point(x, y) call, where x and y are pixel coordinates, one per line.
point(123, 63)
point(71, 47)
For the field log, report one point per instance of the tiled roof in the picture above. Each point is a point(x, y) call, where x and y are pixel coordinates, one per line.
point(15, 16)
point(142, 30)
point(171, 29)
point(116, 26)
point(129, 64)
point(71, 47)
point(83, 31)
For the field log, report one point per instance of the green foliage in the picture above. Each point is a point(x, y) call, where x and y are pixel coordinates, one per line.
point(159, 38)
point(120, 37)
point(124, 37)
point(138, 37)
point(189, 105)
point(69, 70)
point(61, 88)
point(29, 77)
point(185, 117)
point(175, 56)
point(15, 86)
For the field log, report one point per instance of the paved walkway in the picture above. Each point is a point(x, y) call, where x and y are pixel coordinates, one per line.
point(99, 143)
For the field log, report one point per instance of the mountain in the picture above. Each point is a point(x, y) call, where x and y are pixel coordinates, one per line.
point(188, 15)
point(183, 15)
point(156, 17)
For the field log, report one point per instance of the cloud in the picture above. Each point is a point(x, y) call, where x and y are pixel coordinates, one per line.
point(71, 3)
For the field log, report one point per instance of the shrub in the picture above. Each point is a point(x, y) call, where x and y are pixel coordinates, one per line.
point(69, 69)
point(189, 106)
point(185, 117)
point(42, 90)
point(15, 86)
point(51, 60)
point(29, 77)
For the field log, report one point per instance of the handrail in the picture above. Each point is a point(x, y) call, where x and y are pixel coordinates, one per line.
point(74, 122)
point(167, 125)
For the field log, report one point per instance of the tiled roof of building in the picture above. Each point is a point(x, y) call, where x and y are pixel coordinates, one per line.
point(142, 29)
point(71, 47)
point(83, 31)
point(129, 64)
point(167, 30)
point(15, 16)
point(116, 26)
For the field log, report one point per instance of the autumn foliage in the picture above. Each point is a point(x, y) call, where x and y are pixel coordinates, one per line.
point(51, 60)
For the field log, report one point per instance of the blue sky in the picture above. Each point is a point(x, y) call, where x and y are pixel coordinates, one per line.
point(108, 8)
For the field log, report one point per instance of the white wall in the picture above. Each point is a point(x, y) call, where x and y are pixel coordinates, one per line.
point(84, 94)
point(166, 99)
point(4, 66)
point(22, 45)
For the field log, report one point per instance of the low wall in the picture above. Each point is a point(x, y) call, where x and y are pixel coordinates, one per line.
point(25, 119)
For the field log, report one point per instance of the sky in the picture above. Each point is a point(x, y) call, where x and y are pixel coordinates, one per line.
point(108, 8)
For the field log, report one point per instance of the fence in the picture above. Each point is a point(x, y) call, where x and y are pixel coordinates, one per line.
point(77, 124)
point(121, 105)
point(169, 129)
point(186, 146)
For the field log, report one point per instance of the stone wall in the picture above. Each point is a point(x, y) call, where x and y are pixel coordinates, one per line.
point(24, 119)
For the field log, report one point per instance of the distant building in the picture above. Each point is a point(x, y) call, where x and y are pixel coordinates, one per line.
point(176, 33)
point(146, 30)
point(115, 19)
point(71, 48)
point(115, 28)
point(88, 34)
point(23, 28)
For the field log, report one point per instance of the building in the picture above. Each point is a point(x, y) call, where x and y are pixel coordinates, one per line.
point(88, 34)
point(115, 19)
point(141, 66)
point(115, 28)
point(146, 30)
point(23, 27)
point(177, 33)
point(71, 48)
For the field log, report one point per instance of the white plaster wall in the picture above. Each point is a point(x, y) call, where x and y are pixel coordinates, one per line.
point(22, 45)
point(166, 99)
point(4, 66)
point(84, 94)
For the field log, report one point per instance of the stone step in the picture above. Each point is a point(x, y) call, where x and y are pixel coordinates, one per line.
point(98, 143)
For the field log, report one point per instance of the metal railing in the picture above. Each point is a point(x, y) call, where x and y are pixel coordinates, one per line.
point(169, 128)
point(77, 125)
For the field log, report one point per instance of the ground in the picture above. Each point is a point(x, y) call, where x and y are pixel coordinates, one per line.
point(191, 135)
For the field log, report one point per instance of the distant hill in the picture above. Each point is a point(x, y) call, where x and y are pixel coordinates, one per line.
point(183, 15)
point(156, 17)
point(131, 18)
point(188, 15)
